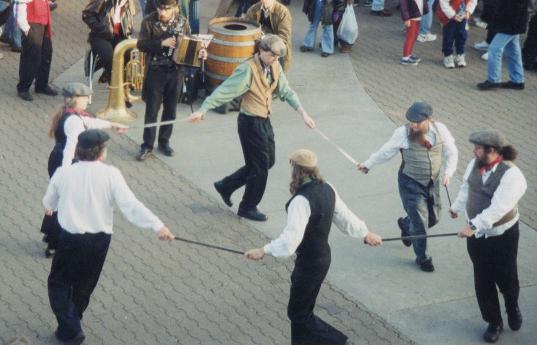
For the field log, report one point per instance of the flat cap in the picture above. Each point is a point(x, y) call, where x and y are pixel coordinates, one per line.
point(419, 111)
point(488, 137)
point(304, 158)
point(91, 138)
point(165, 4)
point(76, 89)
point(274, 44)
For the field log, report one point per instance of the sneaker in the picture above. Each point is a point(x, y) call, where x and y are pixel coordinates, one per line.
point(449, 61)
point(485, 56)
point(483, 45)
point(460, 60)
point(408, 61)
point(415, 58)
point(479, 23)
point(427, 37)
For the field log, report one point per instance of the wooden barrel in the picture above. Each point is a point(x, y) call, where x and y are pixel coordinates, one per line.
point(233, 42)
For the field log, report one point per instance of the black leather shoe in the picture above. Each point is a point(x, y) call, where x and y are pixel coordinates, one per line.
point(48, 90)
point(219, 186)
point(305, 49)
point(492, 334)
point(512, 85)
point(514, 318)
point(381, 13)
point(25, 95)
point(253, 214)
point(144, 154)
point(16, 49)
point(76, 340)
point(166, 150)
point(323, 54)
point(427, 266)
point(487, 85)
point(404, 231)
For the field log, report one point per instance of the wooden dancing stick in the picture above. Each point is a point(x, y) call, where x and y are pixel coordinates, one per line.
point(449, 199)
point(416, 237)
point(162, 123)
point(345, 154)
point(209, 245)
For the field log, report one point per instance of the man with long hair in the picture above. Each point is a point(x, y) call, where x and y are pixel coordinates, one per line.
point(491, 189)
point(84, 195)
point(310, 212)
point(426, 146)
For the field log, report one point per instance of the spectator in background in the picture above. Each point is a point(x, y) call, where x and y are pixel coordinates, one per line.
point(529, 51)
point(11, 34)
point(510, 20)
point(320, 12)
point(337, 16)
point(426, 23)
point(453, 15)
point(33, 18)
point(411, 12)
point(487, 15)
point(377, 9)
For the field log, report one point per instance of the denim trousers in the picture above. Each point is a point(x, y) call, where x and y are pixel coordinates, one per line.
point(422, 206)
point(12, 33)
point(427, 19)
point(508, 46)
point(327, 40)
point(377, 5)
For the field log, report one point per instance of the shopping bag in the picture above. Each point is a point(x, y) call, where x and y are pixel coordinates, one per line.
point(348, 28)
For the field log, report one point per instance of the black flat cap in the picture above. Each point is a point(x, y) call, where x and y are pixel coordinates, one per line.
point(419, 111)
point(166, 3)
point(91, 138)
point(488, 137)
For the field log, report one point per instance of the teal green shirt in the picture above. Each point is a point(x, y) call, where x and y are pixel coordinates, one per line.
point(239, 83)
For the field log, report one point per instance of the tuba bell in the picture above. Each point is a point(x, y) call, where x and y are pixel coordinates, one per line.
point(125, 79)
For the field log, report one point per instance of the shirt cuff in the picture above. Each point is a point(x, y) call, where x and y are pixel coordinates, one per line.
point(158, 225)
point(267, 249)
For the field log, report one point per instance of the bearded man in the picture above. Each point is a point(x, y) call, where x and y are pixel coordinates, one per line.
point(426, 146)
point(491, 188)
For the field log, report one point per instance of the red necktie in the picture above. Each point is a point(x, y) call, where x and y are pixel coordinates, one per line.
point(489, 166)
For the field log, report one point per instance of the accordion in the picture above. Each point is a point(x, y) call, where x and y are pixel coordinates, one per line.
point(187, 51)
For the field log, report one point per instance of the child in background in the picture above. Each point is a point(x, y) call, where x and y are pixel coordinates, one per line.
point(453, 15)
point(411, 13)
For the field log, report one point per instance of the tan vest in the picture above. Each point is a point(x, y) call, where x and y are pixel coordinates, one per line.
point(258, 100)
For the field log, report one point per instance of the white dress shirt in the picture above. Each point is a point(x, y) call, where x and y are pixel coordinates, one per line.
point(511, 188)
point(399, 140)
point(298, 214)
point(72, 127)
point(85, 193)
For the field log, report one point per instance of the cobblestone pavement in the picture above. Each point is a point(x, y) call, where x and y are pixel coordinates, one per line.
point(452, 93)
point(150, 292)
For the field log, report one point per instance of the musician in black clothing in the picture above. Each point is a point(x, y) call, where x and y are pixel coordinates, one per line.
point(163, 78)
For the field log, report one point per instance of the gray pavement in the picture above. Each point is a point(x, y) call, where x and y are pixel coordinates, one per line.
point(150, 292)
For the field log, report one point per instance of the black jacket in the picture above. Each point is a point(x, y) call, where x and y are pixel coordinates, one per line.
point(329, 6)
point(98, 16)
point(511, 17)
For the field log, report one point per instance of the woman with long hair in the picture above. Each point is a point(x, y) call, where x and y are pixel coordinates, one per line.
point(310, 213)
point(70, 120)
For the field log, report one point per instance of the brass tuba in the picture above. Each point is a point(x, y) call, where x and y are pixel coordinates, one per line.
point(125, 79)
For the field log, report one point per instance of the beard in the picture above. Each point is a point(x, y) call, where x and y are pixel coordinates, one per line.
point(481, 162)
point(416, 135)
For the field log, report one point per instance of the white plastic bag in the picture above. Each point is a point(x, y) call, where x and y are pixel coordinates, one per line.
point(348, 28)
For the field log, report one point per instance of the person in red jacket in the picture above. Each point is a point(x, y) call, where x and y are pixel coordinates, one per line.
point(33, 18)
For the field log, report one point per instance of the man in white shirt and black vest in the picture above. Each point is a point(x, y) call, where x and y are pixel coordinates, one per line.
point(310, 213)
point(84, 195)
point(425, 146)
point(491, 188)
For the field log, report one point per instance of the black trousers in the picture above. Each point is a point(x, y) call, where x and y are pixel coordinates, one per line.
point(307, 328)
point(494, 261)
point(75, 271)
point(105, 50)
point(529, 50)
point(161, 86)
point(35, 60)
point(258, 147)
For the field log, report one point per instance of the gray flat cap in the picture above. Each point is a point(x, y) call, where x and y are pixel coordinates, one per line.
point(274, 44)
point(419, 111)
point(488, 137)
point(76, 89)
point(91, 138)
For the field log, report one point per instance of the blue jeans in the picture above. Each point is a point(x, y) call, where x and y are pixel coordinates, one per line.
point(427, 20)
point(422, 206)
point(454, 32)
point(12, 33)
point(377, 5)
point(327, 40)
point(508, 45)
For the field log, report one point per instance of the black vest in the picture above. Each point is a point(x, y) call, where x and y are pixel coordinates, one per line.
point(59, 134)
point(322, 200)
